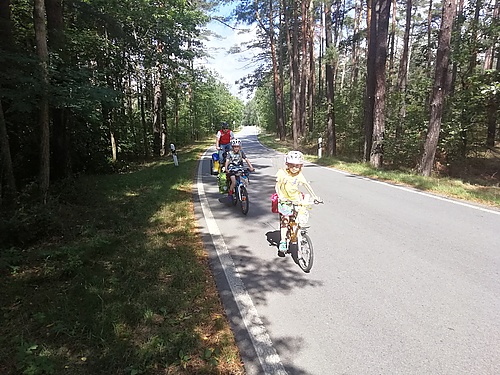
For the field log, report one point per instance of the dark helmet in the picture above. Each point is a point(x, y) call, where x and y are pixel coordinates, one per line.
point(224, 125)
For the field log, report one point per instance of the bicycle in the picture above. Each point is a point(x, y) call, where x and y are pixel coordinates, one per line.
point(298, 242)
point(240, 190)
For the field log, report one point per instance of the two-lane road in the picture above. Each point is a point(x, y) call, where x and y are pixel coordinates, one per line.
point(403, 282)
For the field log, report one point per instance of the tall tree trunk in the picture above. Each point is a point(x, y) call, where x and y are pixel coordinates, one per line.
point(392, 41)
point(429, 37)
point(157, 113)
point(380, 17)
point(493, 105)
point(465, 116)
point(143, 120)
point(312, 73)
point(331, 137)
point(489, 55)
point(43, 119)
point(492, 114)
point(107, 123)
point(303, 66)
point(439, 89)
point(296, 82)
point(277, 87)
point(403, 70)
point(6, 171)
point(61, 166)
point(458, 43)
point(176, 114)
point(291, 22)
point(174, 134)
point(370, 81)
point(321, 53)
point(6, 39)
point(358, 10)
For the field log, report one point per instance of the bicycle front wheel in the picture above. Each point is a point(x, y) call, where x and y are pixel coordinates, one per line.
point(244, 200)
point(235, 196)
point(305, 254)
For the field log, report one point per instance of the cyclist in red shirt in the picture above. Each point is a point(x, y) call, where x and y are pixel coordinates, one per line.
point(223, 140)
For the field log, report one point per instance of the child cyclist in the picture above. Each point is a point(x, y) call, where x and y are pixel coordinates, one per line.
point(234, 161)
point(287, 187)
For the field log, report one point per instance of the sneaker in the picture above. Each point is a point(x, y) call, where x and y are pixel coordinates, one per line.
point(282, 249)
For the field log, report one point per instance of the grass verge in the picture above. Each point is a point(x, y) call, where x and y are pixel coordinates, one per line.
point(117, 282)
point(482, 191)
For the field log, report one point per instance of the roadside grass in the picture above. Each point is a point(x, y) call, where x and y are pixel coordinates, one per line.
point(119, 283)
point(482, 191)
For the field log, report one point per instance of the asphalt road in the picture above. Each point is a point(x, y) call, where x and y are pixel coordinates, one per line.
point(403, 282)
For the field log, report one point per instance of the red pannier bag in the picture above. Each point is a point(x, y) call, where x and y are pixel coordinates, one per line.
point(274, 203)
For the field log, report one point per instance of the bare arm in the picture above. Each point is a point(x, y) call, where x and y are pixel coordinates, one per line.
point(250, 165)
point(311, 191)
point(217, 140)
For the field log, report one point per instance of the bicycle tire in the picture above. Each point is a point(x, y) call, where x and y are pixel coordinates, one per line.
point(244, 200)
point(305, 253)
point(212, 168)
point(235, 196)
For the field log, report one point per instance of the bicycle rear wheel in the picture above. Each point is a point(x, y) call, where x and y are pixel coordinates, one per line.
point(244, 200)
point(305, 254)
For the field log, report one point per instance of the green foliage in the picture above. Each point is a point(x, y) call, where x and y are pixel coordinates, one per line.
point(33, 360)
point(28, 224)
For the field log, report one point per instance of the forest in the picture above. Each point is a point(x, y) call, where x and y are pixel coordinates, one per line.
point(102, 266)
point(88, 85)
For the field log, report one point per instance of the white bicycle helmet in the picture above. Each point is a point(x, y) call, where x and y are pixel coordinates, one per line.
point(235, 142)
point(294, 157)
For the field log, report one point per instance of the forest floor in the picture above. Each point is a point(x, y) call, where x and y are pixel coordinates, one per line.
point(111, 277)
point(476, 180)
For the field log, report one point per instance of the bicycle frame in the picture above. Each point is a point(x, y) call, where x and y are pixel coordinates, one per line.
point(240, 190)
point(297, 236)
point(293, 226)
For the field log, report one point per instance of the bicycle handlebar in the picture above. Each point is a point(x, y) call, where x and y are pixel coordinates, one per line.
point(306, 203)
point(239, 171)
